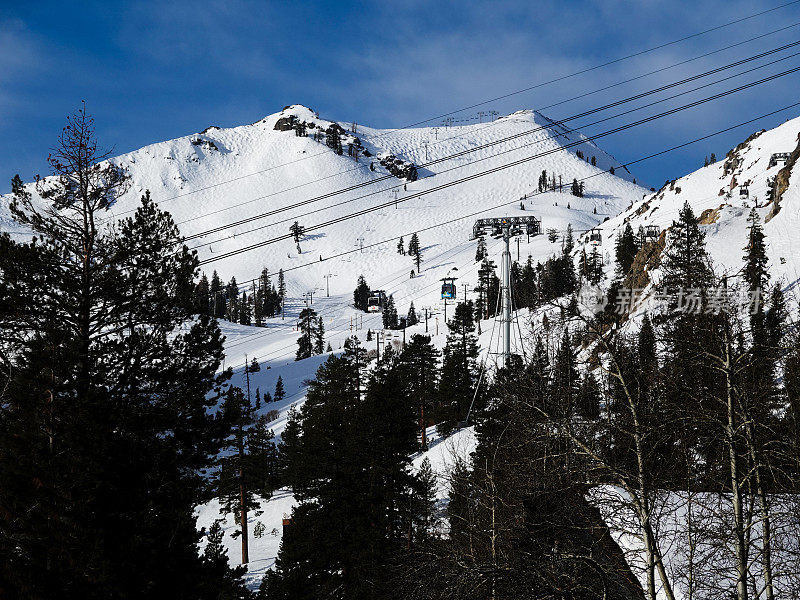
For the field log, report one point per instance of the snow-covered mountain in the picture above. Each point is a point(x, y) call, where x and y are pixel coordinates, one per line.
point(222, 176)
point(722, 195)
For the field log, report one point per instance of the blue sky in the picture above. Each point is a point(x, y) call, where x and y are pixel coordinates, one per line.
point(151, 71)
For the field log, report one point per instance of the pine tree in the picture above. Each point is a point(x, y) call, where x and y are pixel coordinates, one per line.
point(414, 250)
point(108, 368)
point(412, 318)
point(245, 309)
point(569, 240)
point(217, 296)
point(234, 477)
point(421, 359)
point(202, 296)
point(389, 314)
point(595, 266)
point(481, 252)
point(686, 263)
point(281, 289)
point(354, 506)
point(565, 380)
point(625, 249)
point(755, 272)
point(459, 372)
point(309, 333)
point(298, 232)
point(279, 394)
point(319, 343)
point(361, 294)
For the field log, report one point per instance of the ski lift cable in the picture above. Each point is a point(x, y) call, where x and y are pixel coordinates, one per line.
point(507, 165)
point(546, 83)
point(501, 167)
point(513, 137)
point(507, 204)
point(461, 166)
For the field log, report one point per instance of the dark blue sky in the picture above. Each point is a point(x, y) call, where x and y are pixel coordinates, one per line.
point(151, 71)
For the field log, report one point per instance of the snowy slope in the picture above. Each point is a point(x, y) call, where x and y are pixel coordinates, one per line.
point(715, 193)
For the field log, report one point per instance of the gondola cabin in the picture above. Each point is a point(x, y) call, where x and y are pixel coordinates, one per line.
point(595, 239)
point(651, 233)
point(376, 301)
point(448, 288)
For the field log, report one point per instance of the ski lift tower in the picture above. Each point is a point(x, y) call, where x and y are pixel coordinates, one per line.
point(506, 228)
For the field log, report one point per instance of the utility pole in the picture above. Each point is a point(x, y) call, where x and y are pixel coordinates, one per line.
point(328, 284)
point(465, 290)
point(395, 192)
point(426, 151)
point(517, 248)
point(361, 244)
point(426, 320)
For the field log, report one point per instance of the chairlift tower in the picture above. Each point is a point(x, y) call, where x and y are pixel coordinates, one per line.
point(506, 227)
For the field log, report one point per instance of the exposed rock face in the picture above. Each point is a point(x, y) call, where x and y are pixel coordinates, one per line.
point(285, 123)
point(782, 181)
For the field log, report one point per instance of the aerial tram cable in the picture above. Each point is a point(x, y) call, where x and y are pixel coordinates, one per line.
point(452, 137)
point(419, 194)
point(505, 166)
point(536, 193)
point(543, 84)
point(519, 135)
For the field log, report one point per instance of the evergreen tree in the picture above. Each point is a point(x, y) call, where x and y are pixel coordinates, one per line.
point(421, 359)
point(414, 250)
point(319, 343)
point(280, 393)
point(298, 232)
point(108, 394)
point(459, 372)
point(354, 506)
point(309, 334)
point(245, 309)
point(569, 240)
point(412, 318)
point(755, 272)
point(217, 296)
point(281, 289)
point(565, 380)
point(595, 266)
point(626, 249)
point(686, 263)
point(234, 479)
point(389, 314)
point(202, 295)
point(481, 252)
point(361, 294)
